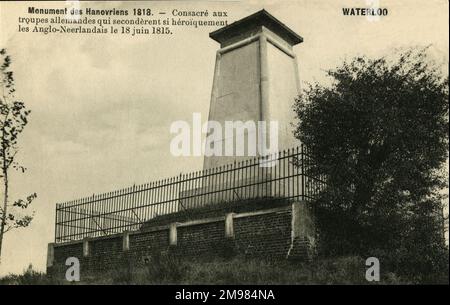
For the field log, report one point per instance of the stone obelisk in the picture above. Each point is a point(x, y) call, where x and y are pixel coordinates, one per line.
point(255, 79)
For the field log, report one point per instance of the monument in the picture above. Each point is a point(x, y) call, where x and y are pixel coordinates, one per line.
point(255, 79)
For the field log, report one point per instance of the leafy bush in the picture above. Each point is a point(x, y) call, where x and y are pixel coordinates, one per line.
point(28, 277)
point(379, 134)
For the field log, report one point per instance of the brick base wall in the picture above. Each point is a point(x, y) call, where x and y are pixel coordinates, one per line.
point(264, 232)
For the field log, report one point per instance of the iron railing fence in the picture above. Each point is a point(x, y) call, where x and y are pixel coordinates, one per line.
point(280, 176)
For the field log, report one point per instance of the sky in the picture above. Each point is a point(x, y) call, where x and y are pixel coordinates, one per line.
point(102, 105)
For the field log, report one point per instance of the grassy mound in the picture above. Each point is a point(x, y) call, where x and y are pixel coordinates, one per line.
point(172, 270)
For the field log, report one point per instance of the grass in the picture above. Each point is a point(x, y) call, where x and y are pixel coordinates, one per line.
point(171, 270)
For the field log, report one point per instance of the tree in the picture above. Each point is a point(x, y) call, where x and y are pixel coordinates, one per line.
point(379, 133)
point(14, 117)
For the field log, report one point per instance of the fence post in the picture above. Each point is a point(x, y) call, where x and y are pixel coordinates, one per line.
point(50, 254)
point(303, 172)
point(173, 234)
point(57, 219)
point(126, 241)
point(302, 231)
point(86, 247)
point(229, 226)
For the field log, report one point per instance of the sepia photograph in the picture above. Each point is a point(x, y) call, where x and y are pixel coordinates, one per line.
point(191, 144)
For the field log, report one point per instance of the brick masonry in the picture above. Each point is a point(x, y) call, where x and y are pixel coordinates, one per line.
point(275, 230)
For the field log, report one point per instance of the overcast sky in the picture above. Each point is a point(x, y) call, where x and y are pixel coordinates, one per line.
point(102, 105)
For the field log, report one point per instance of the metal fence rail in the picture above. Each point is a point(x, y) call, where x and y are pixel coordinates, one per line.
point(282, 175)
